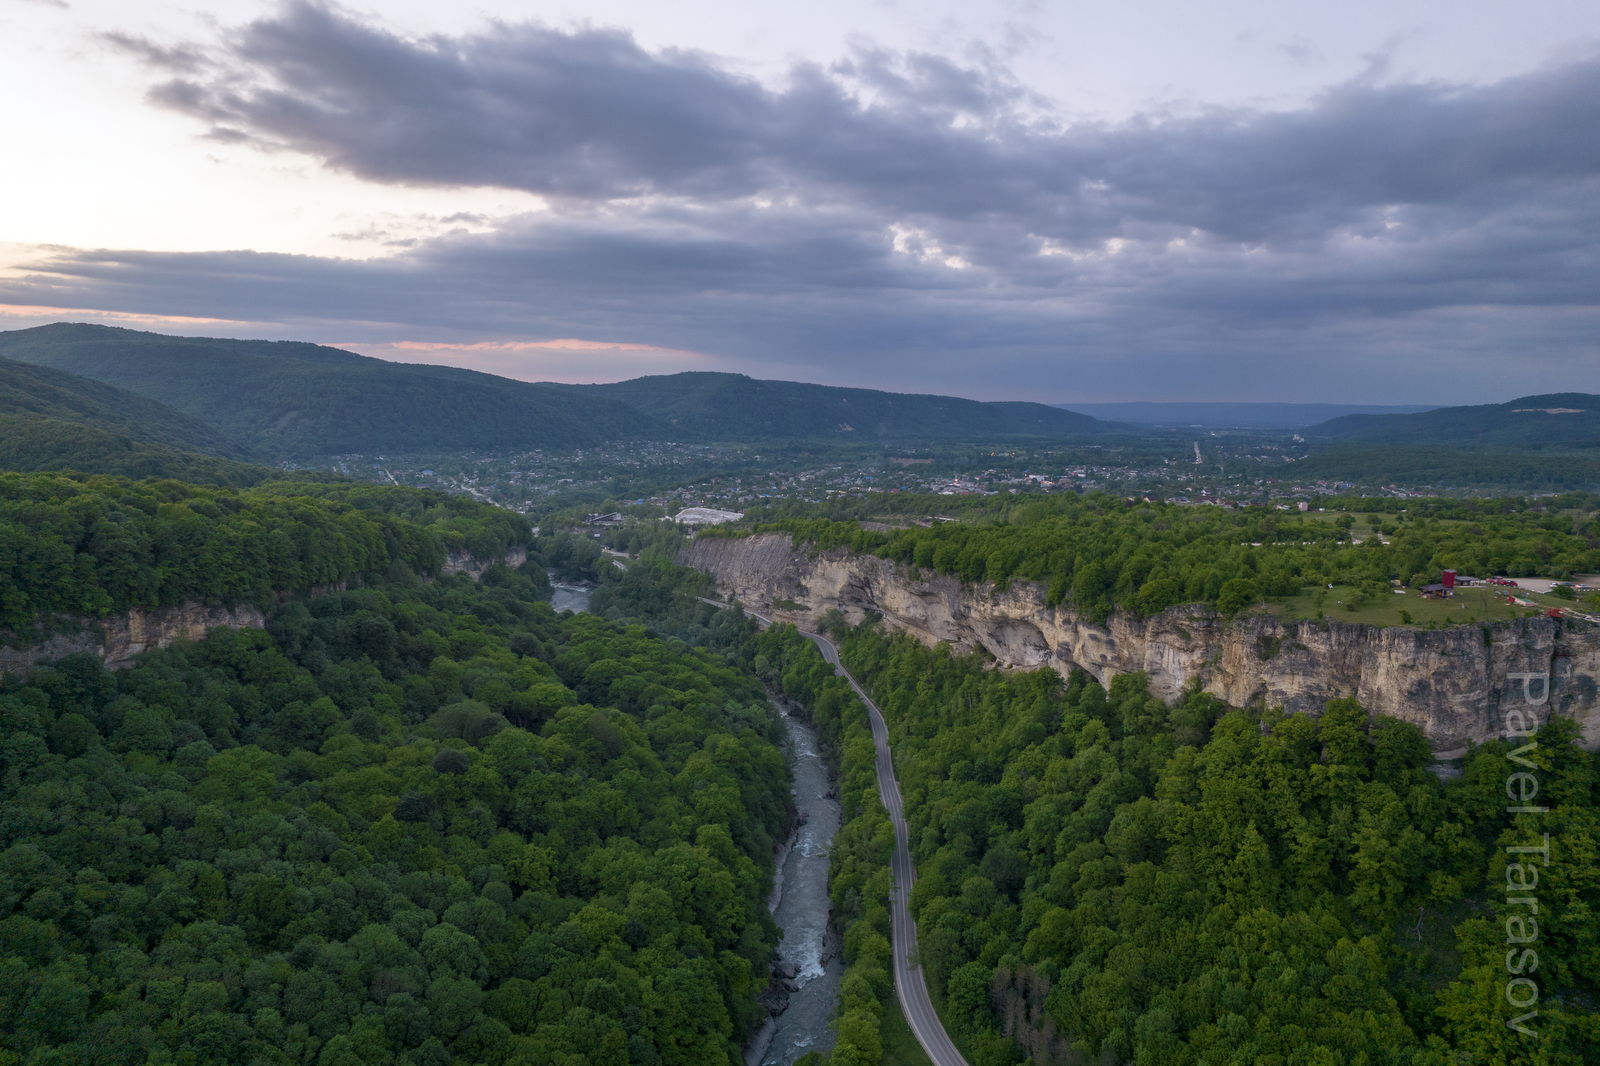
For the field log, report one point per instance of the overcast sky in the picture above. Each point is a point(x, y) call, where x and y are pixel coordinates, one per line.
point(1364, 202)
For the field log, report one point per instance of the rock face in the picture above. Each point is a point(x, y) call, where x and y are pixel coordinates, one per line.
point(118, 640)
point(1456, 684)
point(465, 563)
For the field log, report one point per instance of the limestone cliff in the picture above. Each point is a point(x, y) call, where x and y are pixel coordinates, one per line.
point(119, 639)
point(1454, 683)
point(465, 563)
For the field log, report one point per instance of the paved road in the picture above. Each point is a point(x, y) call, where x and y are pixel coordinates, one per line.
point(909, 984)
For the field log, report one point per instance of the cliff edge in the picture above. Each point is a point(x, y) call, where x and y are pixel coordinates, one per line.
point(1455, 684)
point(118, 639)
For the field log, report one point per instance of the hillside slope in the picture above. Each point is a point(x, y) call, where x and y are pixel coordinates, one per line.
point(735, 407)
point(54, 420)
point(43, 393)
point(35, 443)
point(284, 398)
point(1552, 420)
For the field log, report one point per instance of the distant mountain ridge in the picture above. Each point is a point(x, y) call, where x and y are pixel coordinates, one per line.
point(283, 399)
point(1235, 415)
point(734, 406)
point(1548, 420)
point(289, 399)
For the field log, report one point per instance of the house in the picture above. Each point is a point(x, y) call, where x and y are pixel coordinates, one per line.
point(1435, 592)
point(613, 518)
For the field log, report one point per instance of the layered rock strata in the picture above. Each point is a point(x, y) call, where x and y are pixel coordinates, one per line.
point(1455, 683)
point(117, 640)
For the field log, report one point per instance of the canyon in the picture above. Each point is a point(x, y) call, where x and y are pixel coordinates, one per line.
point(1457, 683)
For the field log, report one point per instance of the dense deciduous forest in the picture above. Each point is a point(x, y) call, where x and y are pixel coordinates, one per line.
point(418, 824)
point(423, 822)
point(1534, 470)
point(29, 442)
point(1105, 878)
point(75, 546)
point(46, 394)
point(1103, 552)
point(668, 597)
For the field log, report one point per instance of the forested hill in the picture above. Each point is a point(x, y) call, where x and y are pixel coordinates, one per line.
point(280, 399)
point(53, 420)
point(736, 407)
point(75, 547)
point(1553, 420)
point(43, 393)
point(283, 399)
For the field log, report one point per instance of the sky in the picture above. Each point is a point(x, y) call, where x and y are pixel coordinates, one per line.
point(1393, 202)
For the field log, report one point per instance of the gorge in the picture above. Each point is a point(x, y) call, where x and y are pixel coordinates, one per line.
point(1455, 683)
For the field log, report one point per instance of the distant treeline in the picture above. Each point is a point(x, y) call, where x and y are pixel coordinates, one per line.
point(1529, 471)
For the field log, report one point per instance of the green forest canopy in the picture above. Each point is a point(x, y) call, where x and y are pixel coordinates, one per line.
point(421, 822)
point(45, 393)
point(1103, 552)
point(1103, 875)
point(75, 546)
point(32, 443)
point(411, 825)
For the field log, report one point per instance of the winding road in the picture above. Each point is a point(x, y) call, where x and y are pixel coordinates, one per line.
point(909, 984)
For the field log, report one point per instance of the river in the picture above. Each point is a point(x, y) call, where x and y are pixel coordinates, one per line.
point(800, 907)
point(800, 893)
point(570, 595)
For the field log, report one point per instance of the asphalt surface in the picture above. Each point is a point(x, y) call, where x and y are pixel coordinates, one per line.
point(909, 983)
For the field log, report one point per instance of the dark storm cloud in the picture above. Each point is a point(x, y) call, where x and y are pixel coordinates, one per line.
point(898, 206)
point(589, 113)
